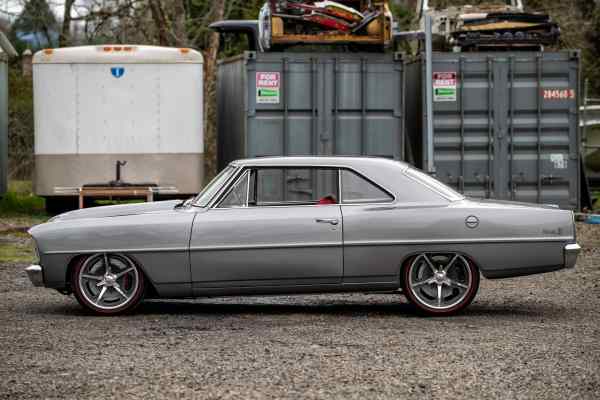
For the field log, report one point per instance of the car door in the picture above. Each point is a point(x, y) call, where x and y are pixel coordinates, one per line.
point(381, 227)
point(272, 227)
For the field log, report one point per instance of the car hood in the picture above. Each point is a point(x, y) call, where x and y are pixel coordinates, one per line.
point(118, 210)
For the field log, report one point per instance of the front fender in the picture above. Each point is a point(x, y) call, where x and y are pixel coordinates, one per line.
point(159, 241)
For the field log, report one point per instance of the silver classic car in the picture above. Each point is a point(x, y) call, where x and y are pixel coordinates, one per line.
point(292, 225)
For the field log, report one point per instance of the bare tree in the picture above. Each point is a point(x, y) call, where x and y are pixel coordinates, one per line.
point(160, 20)
point(65, 32)
point(210, 86)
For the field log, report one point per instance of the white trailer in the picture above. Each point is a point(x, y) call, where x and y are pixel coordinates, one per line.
point(97, 105)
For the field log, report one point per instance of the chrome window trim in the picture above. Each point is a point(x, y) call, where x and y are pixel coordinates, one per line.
point(243, 168)
point(220, 190)
point(273, 206)
point(248, 187)
point(248, 165)
point(360, 203)
point(217, 196)
point(232, 186)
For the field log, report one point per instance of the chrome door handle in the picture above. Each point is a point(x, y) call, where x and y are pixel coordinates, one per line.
point(332, 221)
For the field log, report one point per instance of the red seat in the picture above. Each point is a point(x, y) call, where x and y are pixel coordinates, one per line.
point(327, 200)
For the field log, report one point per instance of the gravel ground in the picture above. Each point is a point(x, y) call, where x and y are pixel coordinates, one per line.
point(533, 337)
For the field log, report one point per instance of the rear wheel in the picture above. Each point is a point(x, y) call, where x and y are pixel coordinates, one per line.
point(108, 284)
point(440, 283)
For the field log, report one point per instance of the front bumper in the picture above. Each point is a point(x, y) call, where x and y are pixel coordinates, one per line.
point(35, 274)
point(570, 253)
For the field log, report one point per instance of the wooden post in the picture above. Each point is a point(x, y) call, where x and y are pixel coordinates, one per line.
point(80, 198)
point(26, 60)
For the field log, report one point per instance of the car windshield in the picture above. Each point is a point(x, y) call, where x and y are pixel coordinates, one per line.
point(434, 184)
point(213, 187)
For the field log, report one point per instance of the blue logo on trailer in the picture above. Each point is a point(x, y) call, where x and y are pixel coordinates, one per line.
point(117, 72)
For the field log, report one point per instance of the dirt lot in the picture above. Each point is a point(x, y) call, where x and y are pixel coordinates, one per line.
point(534, 337)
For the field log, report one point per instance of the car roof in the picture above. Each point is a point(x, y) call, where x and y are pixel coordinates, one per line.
point(327, 161)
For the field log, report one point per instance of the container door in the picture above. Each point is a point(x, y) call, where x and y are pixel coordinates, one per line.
point(464, 93)
point(365, 103)
point(322, 104)
point(542, 129)
point(505, 125)
point(284, 97)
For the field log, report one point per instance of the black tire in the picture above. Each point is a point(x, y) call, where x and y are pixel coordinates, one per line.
point(126, 291)
point(427, 309)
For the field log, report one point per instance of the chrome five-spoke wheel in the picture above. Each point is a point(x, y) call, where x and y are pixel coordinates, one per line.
point(440, 283)
point(108, 283)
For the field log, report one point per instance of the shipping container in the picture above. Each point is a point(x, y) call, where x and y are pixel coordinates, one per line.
point(505, 124)
point(272, 104)
point(98, 105)
point(3, 123)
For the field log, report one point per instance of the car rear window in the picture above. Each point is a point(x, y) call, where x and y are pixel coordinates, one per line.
point(434, 184)
point(356, 189)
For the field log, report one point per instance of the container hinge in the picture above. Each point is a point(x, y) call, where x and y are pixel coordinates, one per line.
point(519, 177)
point(550, 179)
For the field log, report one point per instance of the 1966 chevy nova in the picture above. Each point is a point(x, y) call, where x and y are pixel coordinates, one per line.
point(294, 225)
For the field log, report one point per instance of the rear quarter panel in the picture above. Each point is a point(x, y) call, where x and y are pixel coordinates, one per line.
point(508, 240)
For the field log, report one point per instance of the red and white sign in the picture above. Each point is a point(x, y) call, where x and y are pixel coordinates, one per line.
point(267, 79)
point(267, 87)
point(444, 78)
point(444, 86)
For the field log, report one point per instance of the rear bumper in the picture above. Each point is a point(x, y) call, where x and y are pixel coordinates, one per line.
point(35, 274)
point(571, 252)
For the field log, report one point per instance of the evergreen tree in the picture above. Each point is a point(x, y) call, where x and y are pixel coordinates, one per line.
point(36, 18)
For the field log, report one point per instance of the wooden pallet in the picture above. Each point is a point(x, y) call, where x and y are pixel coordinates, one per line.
point(146, 192)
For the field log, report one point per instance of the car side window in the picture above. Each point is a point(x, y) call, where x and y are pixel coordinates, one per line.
point(294, 186)
point(238, 194)
point(356, 189)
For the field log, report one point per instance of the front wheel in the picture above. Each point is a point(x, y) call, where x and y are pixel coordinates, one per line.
point(108, 284)
point(440, 283)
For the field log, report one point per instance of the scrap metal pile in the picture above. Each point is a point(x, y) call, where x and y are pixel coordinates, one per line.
point(492, 24)
point(300, 21)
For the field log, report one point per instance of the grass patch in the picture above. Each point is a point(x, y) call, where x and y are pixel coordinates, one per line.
point(19, 251)
point(19, 200)
point(17, 203)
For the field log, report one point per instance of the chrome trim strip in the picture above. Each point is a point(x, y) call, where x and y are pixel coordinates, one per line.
point(324, 244)
point(143, 250)
point(265, 246)
point(452, 241)
point(35, 274)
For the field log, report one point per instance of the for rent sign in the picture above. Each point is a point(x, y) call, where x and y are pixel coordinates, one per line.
point(267, 87)
point(444, 86)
